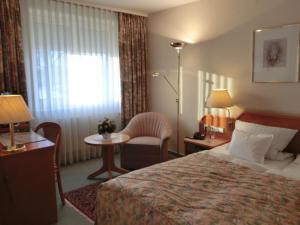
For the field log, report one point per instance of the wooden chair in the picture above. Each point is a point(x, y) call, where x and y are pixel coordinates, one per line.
point(52, 131)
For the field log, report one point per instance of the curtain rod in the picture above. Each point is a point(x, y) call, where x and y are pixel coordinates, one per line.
point(99, 6)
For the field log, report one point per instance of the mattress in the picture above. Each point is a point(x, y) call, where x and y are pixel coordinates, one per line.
point(201, 188)
point(292, 170)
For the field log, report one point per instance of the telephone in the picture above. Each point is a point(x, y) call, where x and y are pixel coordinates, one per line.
point(199, 136)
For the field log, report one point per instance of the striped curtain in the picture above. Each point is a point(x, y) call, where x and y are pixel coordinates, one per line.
point(133, 64)
point(72, 62)
point(12, 71)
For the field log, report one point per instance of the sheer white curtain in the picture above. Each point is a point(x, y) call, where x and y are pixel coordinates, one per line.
point(72, 69)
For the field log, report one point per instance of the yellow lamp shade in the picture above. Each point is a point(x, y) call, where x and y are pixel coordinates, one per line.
point(219, 98)
point(13, 109)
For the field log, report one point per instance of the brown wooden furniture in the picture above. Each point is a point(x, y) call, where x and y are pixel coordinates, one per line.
point(193, 145)
point(149, 136)
point(275, 120)
point(27, 186)
point(218, 121)
point(52, 131)
point(107, 153)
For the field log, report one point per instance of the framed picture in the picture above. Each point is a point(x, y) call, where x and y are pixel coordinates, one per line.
point(276, 54)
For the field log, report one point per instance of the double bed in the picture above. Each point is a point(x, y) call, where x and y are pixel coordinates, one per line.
point(210, 187)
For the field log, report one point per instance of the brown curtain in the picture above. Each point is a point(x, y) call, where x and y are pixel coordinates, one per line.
point(12, 70)
point(133, 62)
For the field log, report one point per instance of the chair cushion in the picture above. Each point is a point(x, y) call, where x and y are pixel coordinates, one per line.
point(144, 140)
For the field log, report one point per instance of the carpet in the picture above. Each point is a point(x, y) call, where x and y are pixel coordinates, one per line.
point(84, 200)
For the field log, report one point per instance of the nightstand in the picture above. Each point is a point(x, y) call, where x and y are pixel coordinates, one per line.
point(194, 145)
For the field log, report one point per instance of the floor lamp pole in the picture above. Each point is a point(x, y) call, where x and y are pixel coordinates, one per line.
point(178, 102)
point(177, 46)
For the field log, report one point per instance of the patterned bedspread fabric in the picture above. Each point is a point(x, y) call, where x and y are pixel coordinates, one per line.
point(198, 189)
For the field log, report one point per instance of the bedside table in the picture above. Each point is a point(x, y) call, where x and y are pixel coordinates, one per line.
point(194, 145)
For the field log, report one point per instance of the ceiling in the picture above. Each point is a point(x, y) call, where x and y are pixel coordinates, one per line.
point(140, 6)
point(207, 19)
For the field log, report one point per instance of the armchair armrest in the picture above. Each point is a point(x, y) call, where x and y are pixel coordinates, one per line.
point(165, 136)
point(127, 132)
point(131, 130)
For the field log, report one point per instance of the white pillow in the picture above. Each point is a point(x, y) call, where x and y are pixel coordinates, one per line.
point(251, 147)
point(282, 137)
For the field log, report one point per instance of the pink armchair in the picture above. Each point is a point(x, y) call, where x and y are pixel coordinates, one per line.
point(149, 135)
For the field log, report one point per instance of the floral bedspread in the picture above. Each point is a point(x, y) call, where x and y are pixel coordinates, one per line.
point(198, 189)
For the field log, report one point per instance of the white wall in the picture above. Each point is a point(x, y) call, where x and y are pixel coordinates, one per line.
point(221, 36)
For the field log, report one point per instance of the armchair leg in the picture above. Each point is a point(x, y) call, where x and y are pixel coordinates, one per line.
point(165, 153)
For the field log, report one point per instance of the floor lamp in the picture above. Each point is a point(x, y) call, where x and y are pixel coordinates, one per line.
point(178, 46)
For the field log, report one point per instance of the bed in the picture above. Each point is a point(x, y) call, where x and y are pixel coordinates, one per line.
point(211, 187)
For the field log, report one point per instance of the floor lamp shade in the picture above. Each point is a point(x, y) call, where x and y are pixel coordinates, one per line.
point(13, 109)
point(219, 98)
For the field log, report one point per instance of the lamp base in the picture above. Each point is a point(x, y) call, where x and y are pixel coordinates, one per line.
point(15, 148)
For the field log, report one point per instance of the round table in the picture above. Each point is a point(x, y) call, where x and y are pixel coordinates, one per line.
point(107, 152)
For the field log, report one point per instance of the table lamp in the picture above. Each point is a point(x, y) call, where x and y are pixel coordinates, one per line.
point(13, 109)
point(219, 98)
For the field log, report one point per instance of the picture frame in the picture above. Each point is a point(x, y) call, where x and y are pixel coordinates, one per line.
point(276, 54)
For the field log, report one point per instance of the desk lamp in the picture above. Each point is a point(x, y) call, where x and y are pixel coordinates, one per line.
point(13, 109)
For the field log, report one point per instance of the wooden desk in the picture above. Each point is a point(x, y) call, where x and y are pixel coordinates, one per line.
point(107, 153)
point(27, 186)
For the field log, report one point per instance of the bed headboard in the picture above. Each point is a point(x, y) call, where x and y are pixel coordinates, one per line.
point(276, 121)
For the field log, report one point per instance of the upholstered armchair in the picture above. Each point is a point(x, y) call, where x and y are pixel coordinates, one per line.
point(149, 135)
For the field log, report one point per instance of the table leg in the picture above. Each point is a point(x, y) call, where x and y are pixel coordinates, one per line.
point(120, 170)
point(110, 160)
point(96, 173)
point(108, 164)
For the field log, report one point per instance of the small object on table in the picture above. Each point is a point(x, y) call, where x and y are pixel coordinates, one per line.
point(200, 145)
point(210, 133)
point(106, 127)
point(107, 152)
point(199, 136)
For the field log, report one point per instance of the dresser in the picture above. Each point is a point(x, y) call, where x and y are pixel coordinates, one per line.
point(27, 186)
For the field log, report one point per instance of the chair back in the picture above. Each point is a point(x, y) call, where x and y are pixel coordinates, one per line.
point(148, 124)
point(51, 131)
